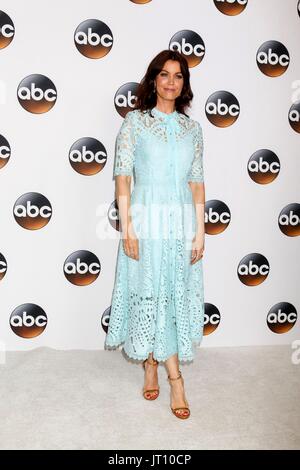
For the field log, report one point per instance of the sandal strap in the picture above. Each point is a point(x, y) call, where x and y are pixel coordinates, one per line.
point(153, 363)
point(151, 390)
point(181, 408)
point(175, 378)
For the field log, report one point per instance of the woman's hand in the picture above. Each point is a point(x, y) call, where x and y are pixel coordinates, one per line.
point(197, 248)
point(131, 245)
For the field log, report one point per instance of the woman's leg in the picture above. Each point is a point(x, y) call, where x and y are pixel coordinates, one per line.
point(178, 398)
point(151, 376)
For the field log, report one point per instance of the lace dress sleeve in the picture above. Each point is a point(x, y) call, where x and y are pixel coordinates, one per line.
point(196, 171)
point(125, 147)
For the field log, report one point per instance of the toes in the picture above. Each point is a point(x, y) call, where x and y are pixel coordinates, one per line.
point(182, 412)
point(150, 395)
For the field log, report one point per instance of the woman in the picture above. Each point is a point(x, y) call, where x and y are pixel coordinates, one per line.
point(157, 307)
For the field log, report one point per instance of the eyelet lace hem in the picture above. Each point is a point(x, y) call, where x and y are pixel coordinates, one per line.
point(141, 357)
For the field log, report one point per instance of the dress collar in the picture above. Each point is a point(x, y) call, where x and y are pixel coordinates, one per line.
point(165, 116)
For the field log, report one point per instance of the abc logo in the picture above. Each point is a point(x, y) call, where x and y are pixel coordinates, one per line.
point(222, 108)
point(7, 30)
point(93, 39)
point(140, 2)
point(272, 58)
point(217, 217)
point(263, 166)
point(3, 266)
point(189, 44)
point(253, 269)
point(4, 151)
point(212, 319)
point(125, 98)
point(294, 116)
point(113, 216)
point(87, 156)
point(82, 268)
point(231, 7)
point(37, 93)
point(32, 211)
point(28, 320)
point(289, 220)
point(105, 319)
point(282, 317)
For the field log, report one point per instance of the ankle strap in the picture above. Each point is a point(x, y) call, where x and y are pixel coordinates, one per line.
point(175, 378)
point(153, 363)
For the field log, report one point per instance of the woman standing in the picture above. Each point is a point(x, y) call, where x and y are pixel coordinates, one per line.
point(157, 307)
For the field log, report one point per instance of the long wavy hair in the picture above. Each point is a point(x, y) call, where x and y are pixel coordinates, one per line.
point(146, 95)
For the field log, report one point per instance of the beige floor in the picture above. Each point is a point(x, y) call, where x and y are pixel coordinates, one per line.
point(240, 398)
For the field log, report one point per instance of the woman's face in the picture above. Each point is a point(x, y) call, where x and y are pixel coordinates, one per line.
point(169, 81)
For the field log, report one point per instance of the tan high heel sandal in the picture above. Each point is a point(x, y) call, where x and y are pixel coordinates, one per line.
point(154, 391)
point(176, 411)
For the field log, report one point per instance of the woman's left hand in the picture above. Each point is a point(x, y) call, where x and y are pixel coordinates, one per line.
point(197, 249)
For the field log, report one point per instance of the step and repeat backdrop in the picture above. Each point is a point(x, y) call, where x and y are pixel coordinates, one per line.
point(69, 74)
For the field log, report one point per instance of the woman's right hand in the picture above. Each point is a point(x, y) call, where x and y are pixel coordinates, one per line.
point(131, 245)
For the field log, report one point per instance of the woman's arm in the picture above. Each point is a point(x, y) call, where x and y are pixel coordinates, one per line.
point(198, 192)
point(123, 171)
point(123, 192)
point(196, 182)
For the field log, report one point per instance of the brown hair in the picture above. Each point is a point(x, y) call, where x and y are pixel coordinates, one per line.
point(146, 95)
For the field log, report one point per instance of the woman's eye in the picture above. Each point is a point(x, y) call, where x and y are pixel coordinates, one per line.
point(163, 74)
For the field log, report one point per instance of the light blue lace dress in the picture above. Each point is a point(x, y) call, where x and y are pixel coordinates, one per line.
point(158, 301)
